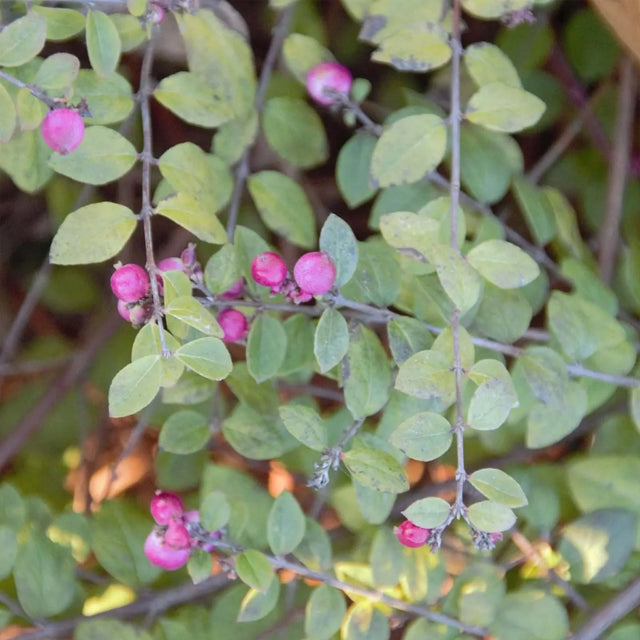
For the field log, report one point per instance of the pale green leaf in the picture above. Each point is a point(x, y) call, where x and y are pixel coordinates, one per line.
point(92, 234)
point(302, 52)
point(256, 604)
point(407, 336)
point(208, 357)
point(135, 386)
point(491, 9)
point(324, 612)
point(254, 569)
point(285, 525)
point(331, 339)
point(57, 72)
point(266, 347)
point(376, 470)
point(103, 43)
point(499, 487)
point(337, 239)
point(503, 264)
point(428, 375)
point(62, 23)
point(491, 516)
point(459, 280)
point(491, 404)
point(215, 510)
point(486, 64)
point(424, 436)
point(419, 48)
point(188, 310)
point(428, 512)
point(353, 169)
point(22, 40)
point(305, 425)
point(109, 99)
point(184, 432)
point(8, 115)
point(189, 212)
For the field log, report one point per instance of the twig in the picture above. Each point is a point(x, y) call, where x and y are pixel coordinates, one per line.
point(35, 419)
point(458, 508)
point(618, 607)
point(242, 170)
point(156, 603)
point(623, 137)
point(147, 210)
point(33, 89)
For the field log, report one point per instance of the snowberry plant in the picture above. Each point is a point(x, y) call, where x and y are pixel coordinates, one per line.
point(370, 368)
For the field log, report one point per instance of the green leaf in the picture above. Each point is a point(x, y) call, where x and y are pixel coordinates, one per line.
point(545, 372)
point(386, 558)
point(30, 111)
point(189, 212)
point(286, 524)
point(235, 136)
point(499, 107)
point(600, 482)
point(8, 550)
point(44, 576)
point(118, 532)
point(298, 357)
point(488, 161)
point(530, 615)
point(62, 24)
point(284, 207)
point(184, 432)
point(103, 43)
point(301, 53)
point(377, 276)
point(215, 510)
point(491, 9)
point(189, 169)
point(295, 132)
point(459, 280)
point(109, 99)
point(199, 565)
point(105, 629)
point(221, 57)
point(503, 314)
point(376, 470)
point(486, 64)
point(537, 210)
point(368, 378)
point(427, 374)
point(581, 327)
point(412, 234)
point(352, 169)
point(365, 622)
point(408, 149)
point(208, 357)
point(597, 546)
point(256, 605)
point(24, 158)
point(418, 48)
point(135, 386)
point(57, 72)
point(324, 612)
point(13, 510)
point(491, 404)
point(221, 270)
point(192, 99)
point(315, 549)
point(491, 516)
point(503, 264)
point(148, 343)
point(424, 436)
point(407, 336)
point(254, 569)
point(337, 239)
point(499, 487)
point(103, 156)
point(331, 339)
point(305, 425)
point(188, 310)
point(132, 33)
point(8, 115)
point(22, 40)
point(428, 512)
point(93, 233)
point(266, 346)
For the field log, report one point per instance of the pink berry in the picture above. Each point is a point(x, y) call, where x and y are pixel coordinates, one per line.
point(268, 269)
point(162, 555)
point(156, 14)
point(129, 282)
point(411, 535)
point(330, 76)
point(234, 291)
point(63, 130)
point(177, 536)
point(139, 315)
point(166, 506)
point(124, 310)
point(315, 273)
point(496, 536)
point(171, 264)
point(234, 324)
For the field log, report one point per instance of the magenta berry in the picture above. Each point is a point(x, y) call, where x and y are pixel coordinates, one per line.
point(177, 536)
point(171, 264)
point(411, 535)
point(315, 273)
point(162, 555)
point(63, 130)
point(234, 291)
point(269, 269)
point(166, 506)
point(234, 324)
point(124, 310)
point(129, 282)
point(496, 536)
point(156, 14)
point(328, 77)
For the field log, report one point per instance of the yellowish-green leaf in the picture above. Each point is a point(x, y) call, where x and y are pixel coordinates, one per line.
point(62, 23)
point(491, 516)
point(302, 53)
point(491, 9)
point(408, 149)
point(7, 115)
point(110, 99)
point(188, 310)
point(57, 72)
point(103, 43)
point(189, 212)
point(503, 264)
point(459, 280)
point(22, 40)
point(501, 107)
point(208, 357)
point(428, 512)
point(92, 234)
point(486, 64)
point(419, 48)
point(135, 386)
point(499, 487)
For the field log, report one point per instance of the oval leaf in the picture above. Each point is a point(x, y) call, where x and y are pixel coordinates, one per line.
point(208, 357)
point(22, 40)
point(254, 569)
point(184, 432)
point(188, 310)
point(266, 348)
point(135, 386)
point(285, 525)
point(188, 211)
point(103, 43)
point(337, 239)
point(499, 487)
point(428, 512)
point(305, 425)
point(331, 339)
point(503, 264)
point(376, 470)
point(491, 516)
point(425, 436)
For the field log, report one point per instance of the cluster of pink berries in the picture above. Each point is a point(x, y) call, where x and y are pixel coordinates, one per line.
point(176, 533)
point(327, 81)
point(63, 130)
point(234, 323)
point(313, 275)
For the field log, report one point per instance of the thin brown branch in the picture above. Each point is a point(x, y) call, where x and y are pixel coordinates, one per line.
point(618, 170)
